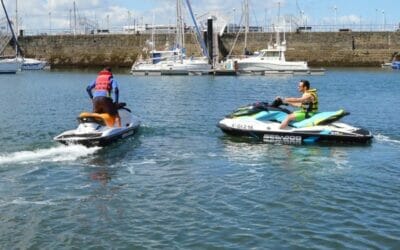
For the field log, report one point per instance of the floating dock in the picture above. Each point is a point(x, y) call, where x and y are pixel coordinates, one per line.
point(224, 72)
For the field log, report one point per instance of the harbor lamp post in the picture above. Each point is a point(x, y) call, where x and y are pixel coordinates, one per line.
point(279, 12)
point(108, 22)
point(234, 20)
point(383, 20)
point(335, 8)
point(49, 22)
point(129, 19)
point(302, 17)
point(265, 19)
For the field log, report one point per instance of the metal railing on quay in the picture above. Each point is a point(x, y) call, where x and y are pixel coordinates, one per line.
point(229, 29)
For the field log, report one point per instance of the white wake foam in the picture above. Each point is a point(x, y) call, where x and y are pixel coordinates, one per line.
point(54, 154)
point(384, 138)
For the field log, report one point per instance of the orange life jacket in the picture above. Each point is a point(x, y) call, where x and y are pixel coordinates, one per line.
point(103, 81)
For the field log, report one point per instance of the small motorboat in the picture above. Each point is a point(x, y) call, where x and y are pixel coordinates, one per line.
point(99, 129)
point(262, 121)
point(396, 65)
point(32, 64)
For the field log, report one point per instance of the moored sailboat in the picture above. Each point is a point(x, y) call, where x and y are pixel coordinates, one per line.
point(8, 65)
point(173, 61)
point(31, 63)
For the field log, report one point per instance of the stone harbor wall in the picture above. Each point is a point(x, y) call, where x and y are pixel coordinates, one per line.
point(348, 49)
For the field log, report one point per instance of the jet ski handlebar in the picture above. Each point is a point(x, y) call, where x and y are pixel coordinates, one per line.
point(278, 102)
point(122, 105)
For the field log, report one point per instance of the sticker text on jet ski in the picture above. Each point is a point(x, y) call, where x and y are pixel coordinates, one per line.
point(287, 139)
point(242, 126)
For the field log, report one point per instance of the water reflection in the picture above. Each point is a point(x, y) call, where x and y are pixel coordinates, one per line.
point(107, 161)
point(101, 175)
point(106, 182)
point(244, 151)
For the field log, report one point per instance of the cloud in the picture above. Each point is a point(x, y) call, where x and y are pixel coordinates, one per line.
point(37, 13)
point(57, 14)
point(84, 5)
point(351, 19)
point(40, 14)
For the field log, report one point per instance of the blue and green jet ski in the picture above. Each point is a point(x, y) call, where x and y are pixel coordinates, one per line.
point(262, 121)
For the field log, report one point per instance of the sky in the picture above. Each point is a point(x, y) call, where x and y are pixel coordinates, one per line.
point(56, 14)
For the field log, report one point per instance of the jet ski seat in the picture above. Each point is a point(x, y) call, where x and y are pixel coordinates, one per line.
point(271, 116)
point(320, 118)
point(103, 119)
point(317, 119)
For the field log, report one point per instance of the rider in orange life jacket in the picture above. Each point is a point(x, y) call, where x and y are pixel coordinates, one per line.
point(308, 104)
point(103, 86)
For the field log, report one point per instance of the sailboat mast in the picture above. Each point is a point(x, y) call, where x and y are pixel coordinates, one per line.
point(11, 28)
point(278, 36)
point(153, 30)
point(198, 34)
point(247, 20)
point(16, 17)
point(180, 29)
point(182, 24)
point(178, 25)
point(16, 25)
point(74, 18)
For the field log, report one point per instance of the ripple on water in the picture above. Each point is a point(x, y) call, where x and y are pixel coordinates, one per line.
point(181, 183)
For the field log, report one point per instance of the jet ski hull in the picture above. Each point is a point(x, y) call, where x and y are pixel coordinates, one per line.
point(283, 137)
point(262, 121)
point(98, 130)
point(89, 140)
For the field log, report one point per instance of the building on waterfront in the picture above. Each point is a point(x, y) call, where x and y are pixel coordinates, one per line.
point(148, 29)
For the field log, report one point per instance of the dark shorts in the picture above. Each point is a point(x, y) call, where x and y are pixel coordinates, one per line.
point(102, 104)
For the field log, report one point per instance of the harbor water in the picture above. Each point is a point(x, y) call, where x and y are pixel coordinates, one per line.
point(180, 183)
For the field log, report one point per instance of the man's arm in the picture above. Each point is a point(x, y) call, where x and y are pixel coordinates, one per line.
point(89, 89)
point(296, 102)
point(116, 92)
point(114, 85)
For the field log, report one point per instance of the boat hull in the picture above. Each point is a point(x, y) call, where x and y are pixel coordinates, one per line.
point(93, 131)
point(39, 65)
point(396, 65)
point(296, 137)
point(185, 67)
point(101, 141)
point(9, 66)
point(269, 131)
point(245, 65)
